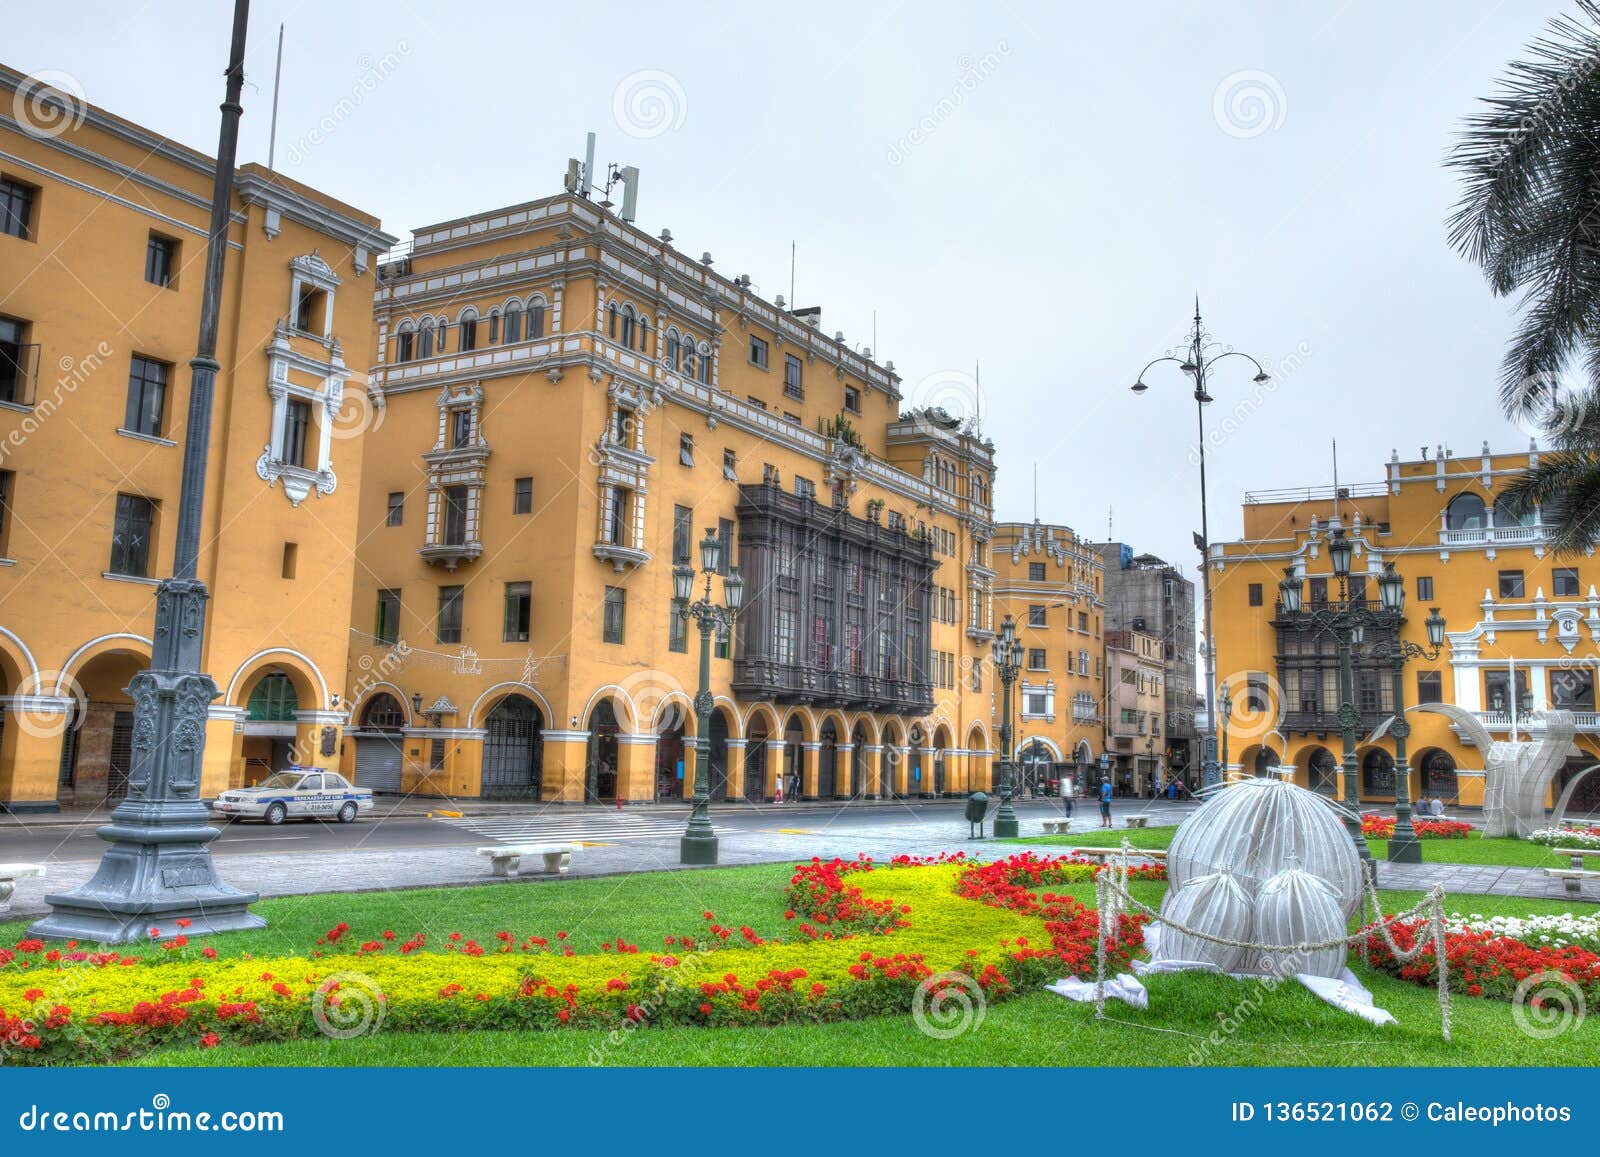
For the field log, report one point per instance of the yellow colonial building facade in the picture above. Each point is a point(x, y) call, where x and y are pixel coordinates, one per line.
point(1522, 626)
point(1052, 584)
point(102, 245)
point(564, 406)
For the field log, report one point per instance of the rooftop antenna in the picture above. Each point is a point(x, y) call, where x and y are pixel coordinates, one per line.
point(1036, 492)
point(1110, 523)
point(791, 279)
point(277, 79)
point(587, 176)
point(874, 330)
point(1335, 442)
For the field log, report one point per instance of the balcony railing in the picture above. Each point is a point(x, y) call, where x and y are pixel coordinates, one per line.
point(1501, 720)
point(1530, 535)
point(804, 683)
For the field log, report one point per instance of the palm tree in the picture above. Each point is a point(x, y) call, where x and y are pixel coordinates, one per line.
point(1529, 215)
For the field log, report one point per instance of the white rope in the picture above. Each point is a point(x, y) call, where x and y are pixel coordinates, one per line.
point(1113, 897)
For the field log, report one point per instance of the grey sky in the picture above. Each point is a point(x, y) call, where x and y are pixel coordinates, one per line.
point(1039, 186)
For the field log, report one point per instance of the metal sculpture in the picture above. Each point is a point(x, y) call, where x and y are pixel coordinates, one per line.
point(1516, 775)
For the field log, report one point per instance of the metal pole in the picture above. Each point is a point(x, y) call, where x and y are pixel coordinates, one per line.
point(1348, 718)
point(699, 842)
point(158, 869)
point(1210, 774)
point(1403, 845)
point(1005, 820)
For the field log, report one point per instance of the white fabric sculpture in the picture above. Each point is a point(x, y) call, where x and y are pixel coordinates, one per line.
point(1256, 828)
point(1295, 907)
point(1516, 776)
point(1217, 905)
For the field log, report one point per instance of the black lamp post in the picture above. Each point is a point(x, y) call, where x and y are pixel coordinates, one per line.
point(1007, 665)
point(699, 842)
point(1225, 706)
point(1403, 845)
point(1202, 354)
point(158, 869)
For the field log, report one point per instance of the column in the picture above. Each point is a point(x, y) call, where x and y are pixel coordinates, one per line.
point(774, 769)
point(736, 768)
point(954, 770)
point(30, 752)
point(223, 765)
point(924, 786)
point(902, 771)
point(981, 767)
point(843, 764)
point(871, 755)
point(636, 768)
point(808, 768)
point(566, 757)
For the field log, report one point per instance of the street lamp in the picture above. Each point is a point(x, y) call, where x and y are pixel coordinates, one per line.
point(699, 842)
point(1197, 364)
point(1225, 705)
point(1007, 665)
point(1403, 845)
point(158, 871)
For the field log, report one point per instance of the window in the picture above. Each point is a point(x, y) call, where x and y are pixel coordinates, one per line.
point(805, 488)
point(1497, 692)
point(455, 516)
point(791, 377)
point(1255, 594)
point(8, 482)
point(730, 466)
point(17, 359)
point(512, 331)
point(386, 624)
point(790, 417)
point(725, 537)
point(1424, 588)
point(296, 425)
point(147, 391)
point(1466, 512)
point(1566, 580)
point(397, 508)
point(522, 496)
point(1319, 590)
point(1257, 697)
point(519, 607)
point(130, 536)
point(1572, 689)
point(469, 334)
point(291, 559)
point(1036, 660)
point(160, 260)
point(617, 517)
point(436, 754)
point(450, 614)
point(1429, 687)
point(682, 534)
point(758, 352)
point(615, 607)
point(460, 428)
point(1083, 622)
point(309, 313)
point(1358, 588)
point(1036, 615)
point(1511, 585)
point(686, 449)
point(405, 346)
point(756, 402)
point(535, 325)
point(16, 208)
point(852, 399)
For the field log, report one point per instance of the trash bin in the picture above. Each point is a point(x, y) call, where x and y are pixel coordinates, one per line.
point(977, 809)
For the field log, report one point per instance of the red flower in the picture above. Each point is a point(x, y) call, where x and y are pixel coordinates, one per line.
point(33, 994)
point(210, 1040)
point(705, 1010)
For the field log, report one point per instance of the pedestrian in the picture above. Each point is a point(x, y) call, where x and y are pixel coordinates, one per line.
point(1105, 803)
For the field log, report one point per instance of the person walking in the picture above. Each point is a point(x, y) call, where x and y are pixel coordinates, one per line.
point(1105, 803)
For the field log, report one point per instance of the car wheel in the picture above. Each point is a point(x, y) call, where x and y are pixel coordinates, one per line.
point(347, 814)
point(276, 814)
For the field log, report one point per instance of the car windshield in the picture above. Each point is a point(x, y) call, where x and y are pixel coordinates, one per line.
point(282, 779)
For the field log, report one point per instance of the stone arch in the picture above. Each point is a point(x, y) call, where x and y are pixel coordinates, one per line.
point(808, 723)
point(385, 688)
point(865, 720)
point(1466, 511)
point(122, 643)
point(628, 717)
point(891, 757)
point(674, 711)
point(311, 689)
point(604, 722)
point(762, 713)
point(860, 737)
point(1317, 769)
point(513, 747)
point(17, 664)
point(1375, 770)
point(830, 734)
point(484, 702)
point(1433, 774)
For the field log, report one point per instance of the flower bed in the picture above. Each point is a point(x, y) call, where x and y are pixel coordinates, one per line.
point(1485, 962)
point(1567, 837)
point(862, 938)
point(1378, 827)
point(1545, 931)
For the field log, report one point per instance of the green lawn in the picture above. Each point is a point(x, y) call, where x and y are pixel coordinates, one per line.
point(1472, 850)
point(1288, 1027)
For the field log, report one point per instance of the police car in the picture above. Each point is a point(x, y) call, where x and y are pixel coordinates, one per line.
point(296, 794)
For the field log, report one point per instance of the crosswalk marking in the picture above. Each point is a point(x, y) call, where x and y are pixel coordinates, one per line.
point(571, 828)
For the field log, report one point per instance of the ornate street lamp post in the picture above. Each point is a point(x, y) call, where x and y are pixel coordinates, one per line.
point(158, 869)
point(1225, 705)
point(1007, 665)
point(1197, 364)
point(699, 842)
point(1403, 845)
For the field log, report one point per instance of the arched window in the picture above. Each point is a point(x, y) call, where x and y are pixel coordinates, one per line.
point(689, 361)
point(611, 319)
point(644, 333)
point(673, 347)
point(1465, 512)
point(425, 339)
point(513, 323)
point(444, 333)
point(627, 326)
point(705, 367)
point(1505, 515)
point(469, 329)
point(494, 326)
point(405, 343)
point(535, 319)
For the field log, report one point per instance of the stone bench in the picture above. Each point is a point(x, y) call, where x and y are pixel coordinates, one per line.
point(1057, 827)
point(1098, 853)
point(504, 858)
point(1574, 878)
point(1137, 821)
point(10, 874)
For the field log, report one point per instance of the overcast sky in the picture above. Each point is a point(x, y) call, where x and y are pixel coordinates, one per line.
point(1040, 187)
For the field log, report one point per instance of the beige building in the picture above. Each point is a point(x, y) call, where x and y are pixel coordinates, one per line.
point(1135, 707)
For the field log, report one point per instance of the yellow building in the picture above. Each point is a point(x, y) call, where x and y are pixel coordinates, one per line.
point(564, 406)
point(1135, 704)
point(1516, 616)
point(1052, 584)
point(102, 248)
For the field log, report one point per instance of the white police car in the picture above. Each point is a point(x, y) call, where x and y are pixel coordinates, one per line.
point(296, 794)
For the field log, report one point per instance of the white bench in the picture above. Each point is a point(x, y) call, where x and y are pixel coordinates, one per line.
point(1104, 853)
point(506, 857)
point(1137, 821)
point(1574, 878)
point(10, 874)
point(1057, 827)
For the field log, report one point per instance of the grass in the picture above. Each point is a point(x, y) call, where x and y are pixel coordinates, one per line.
point(1472, 850)
point(1285, 1026)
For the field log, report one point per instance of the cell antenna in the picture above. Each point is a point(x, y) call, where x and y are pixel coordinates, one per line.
point(277, 80)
